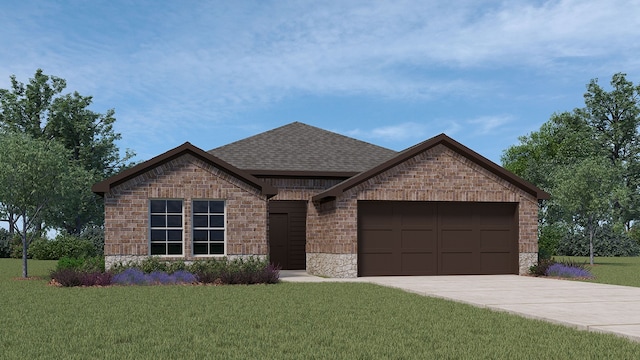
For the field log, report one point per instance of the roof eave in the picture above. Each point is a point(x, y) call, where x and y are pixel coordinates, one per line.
point(301, 174)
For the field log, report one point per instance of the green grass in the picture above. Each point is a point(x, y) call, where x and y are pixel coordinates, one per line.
point(283, 321)
point(611, 270)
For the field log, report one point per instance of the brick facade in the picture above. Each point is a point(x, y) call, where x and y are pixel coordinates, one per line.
point(438, 174)
point(186, 178)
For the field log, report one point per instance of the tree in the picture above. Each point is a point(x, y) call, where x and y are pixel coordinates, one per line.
point(606, 129)
point(615, 118)
point(34, 173)
point(582, 190)
point(40, 110)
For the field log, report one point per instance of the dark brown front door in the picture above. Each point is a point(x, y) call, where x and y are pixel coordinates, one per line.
point(437, 238)
point(287, 234)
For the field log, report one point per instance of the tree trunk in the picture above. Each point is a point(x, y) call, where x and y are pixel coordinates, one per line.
point(591, 231)
point(25, 246)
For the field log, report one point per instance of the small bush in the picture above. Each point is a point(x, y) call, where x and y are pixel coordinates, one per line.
point(237, 271)
point(153, 263)
point(92, 264)
point(562, 270)
point(72, 277)
point(5, 243)
point(550, 237)
point(131, 276)
point(16, 246)
point(95, 235)
point(69, 263)
point(134, 276)
point(573, 263)
point(62, 246)
point(540, 269)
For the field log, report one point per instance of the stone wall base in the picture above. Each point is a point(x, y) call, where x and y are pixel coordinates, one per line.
point(110, 260)
point(332, 265)
point(526, 261)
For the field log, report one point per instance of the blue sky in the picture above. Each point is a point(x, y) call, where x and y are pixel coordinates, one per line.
point(392, 73)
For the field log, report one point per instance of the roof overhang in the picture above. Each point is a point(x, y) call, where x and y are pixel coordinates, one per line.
point(441, 139)
point(302, 174)
point(187, 148)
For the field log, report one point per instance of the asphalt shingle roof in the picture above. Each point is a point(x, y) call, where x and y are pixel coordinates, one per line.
point(301, 147)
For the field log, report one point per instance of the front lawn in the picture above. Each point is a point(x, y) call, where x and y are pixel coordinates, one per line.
point(282, 321)
point(611, 270)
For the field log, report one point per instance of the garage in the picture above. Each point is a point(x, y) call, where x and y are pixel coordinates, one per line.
point(437, 238)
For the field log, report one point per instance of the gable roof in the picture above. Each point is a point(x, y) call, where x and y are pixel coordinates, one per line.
point(299, 149)
point(441, 139)
point(186, 148)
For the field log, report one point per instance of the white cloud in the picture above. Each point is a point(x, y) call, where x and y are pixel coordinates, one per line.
point(488, 124)
point(406, 133)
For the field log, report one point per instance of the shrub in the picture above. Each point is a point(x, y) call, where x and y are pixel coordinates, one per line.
point(540, 269)
point(16, 246)
point(131, 276)
point(134, 276)
point(69, 263)
point(237, 271)
point(606, 242)
point(62, 246)
point(550, 237)
point(95, 235)
point(153, 263)
point(5, 243)
point(562, 270)
point(73, 277)
point(572, 263)
point(92, 264)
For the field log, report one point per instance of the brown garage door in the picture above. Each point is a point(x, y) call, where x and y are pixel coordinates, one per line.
point(288, 234)
point(437, 238)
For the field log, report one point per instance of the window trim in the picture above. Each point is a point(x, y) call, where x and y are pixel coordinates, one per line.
point(209, 228)
point(166, 228)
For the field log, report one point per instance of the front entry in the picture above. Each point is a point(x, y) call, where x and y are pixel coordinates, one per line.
point(288, 234)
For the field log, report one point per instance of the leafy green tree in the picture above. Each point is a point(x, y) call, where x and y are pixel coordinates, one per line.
point(33, 174)
point(582, 191)
point(40, 110)
point(615, 118)
point(606, 129)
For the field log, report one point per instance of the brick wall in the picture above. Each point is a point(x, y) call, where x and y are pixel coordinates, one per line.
point(186, 178)
point(438, 174)
point(299, 189)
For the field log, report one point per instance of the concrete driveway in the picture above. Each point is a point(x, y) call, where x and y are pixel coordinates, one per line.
point(586, 306)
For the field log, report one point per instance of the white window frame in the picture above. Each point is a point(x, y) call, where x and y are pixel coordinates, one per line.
point(209, 228)
point(166, 228)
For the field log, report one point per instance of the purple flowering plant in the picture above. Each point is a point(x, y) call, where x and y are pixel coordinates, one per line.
point(565, 271)
point(134, 276)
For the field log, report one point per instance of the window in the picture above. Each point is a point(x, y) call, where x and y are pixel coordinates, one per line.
point(166, 227)
point(208, 227)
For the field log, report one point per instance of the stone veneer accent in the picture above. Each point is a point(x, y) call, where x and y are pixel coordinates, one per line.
point(438, 174)
point(527, 260)
point(186, 178)
point(333, 265)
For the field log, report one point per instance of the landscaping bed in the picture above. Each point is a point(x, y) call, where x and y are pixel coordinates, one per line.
point(71, 272)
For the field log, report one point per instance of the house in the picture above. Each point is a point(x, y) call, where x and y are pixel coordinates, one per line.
point(312, 199)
